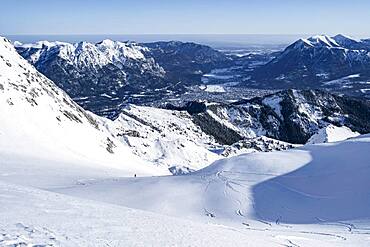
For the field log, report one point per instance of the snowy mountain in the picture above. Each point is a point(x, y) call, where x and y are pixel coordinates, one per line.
point(177, 140)
point(100, 72)
point(174, 139)
point(60, 163)
point(102, 76)
point(291, 115)
point(309, 63)
point(141, 140)
point(40, 121)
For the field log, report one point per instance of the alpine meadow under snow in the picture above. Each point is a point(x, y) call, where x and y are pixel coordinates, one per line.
point(204, 174)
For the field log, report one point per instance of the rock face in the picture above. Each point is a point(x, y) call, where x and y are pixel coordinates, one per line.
point(102, 76)
point(308, 63)
point(292, 116)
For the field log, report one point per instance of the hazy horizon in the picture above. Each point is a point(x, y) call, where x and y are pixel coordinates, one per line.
point(215, 40)
point(289, 17)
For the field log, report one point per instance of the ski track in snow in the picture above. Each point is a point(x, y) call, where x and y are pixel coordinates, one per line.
point(24, 224)
point(232, 186)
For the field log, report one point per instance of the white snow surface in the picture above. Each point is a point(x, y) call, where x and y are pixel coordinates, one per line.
point(33, 217)
point(316, 195)
point(312, 196)
point(332, 133)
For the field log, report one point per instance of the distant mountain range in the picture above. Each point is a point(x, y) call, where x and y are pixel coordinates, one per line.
point(103, 77)
point(109, 72)
point(316, 62)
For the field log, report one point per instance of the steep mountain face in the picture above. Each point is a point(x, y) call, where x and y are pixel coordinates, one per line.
point(40, 121)
point(291, 115)
point(308, 63)
point(103, 76)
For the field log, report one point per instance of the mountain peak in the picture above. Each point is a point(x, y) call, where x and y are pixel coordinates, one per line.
point(314, 60)
point(345, 40)
point(316, 41)
point(342, 36)
point(323, 40)
point(107, 42)
point(302, 43)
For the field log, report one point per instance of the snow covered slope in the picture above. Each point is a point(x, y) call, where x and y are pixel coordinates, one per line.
point(39, 120)
point(165, 137)
point(313, 196)
point(314, 193)
point(332, 133)
point(31, 217)
point(173, 139)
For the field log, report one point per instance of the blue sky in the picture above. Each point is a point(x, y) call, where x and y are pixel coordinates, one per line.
point(185, 17)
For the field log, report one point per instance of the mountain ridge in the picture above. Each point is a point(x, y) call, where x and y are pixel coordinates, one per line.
point(104, 75)
point(314, 62)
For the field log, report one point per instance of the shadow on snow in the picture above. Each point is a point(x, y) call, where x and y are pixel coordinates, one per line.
point(334, 186)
